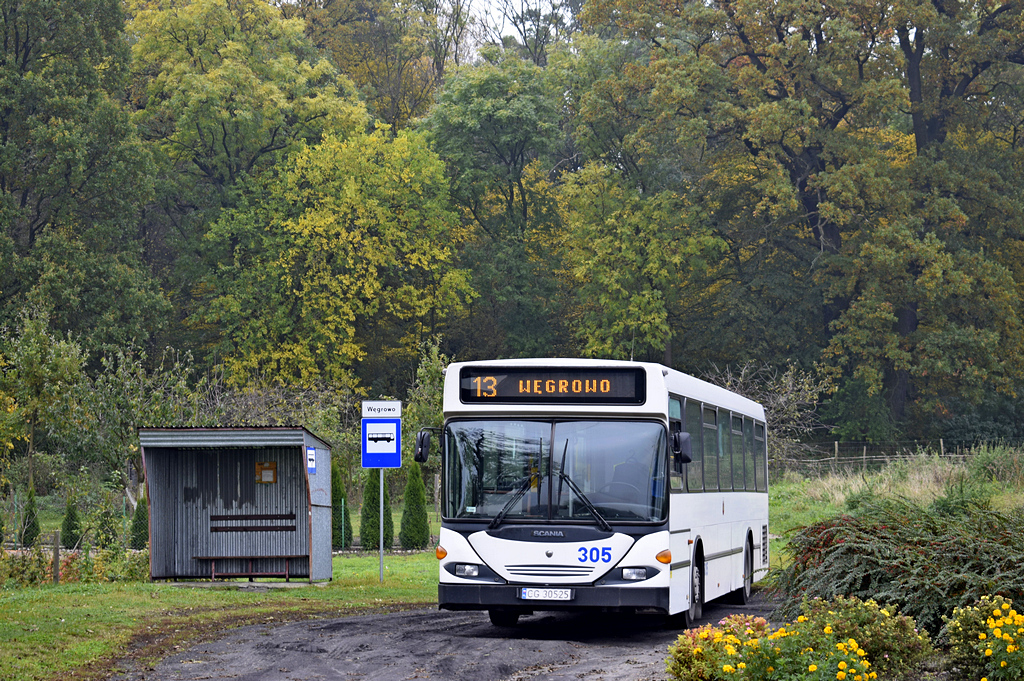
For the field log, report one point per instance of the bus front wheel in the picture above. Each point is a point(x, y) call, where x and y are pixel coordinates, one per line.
point(696, 610)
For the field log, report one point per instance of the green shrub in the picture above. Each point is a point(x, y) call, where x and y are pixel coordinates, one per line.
point(30, 524)
point(341, 514)
point(415, 528)
point(138, 538)
point(924, 563)
point(369, 517)
point(71, 526)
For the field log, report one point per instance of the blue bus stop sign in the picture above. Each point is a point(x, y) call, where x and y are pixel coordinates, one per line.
point(382, 443)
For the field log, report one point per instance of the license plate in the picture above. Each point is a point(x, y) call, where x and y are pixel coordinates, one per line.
point(534, 594)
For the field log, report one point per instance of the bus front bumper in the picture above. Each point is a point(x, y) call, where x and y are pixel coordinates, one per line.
point(508, 596)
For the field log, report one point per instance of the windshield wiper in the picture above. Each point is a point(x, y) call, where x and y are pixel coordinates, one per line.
point(520, 491)
point(586, 502)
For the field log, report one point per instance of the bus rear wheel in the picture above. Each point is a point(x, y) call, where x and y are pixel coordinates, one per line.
point(741, 595)
point(503, 618)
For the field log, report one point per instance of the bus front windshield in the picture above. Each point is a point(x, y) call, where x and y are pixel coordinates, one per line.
point(555, 471)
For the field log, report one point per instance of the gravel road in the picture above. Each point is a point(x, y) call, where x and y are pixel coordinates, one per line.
point(433, 644)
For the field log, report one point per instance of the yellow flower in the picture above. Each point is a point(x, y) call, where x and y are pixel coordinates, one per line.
point(885, 612)
point(853, 643)
point(997, 613)
point(982, 636)
point(840, 675)
point(828, 630)
point(728, 669)
point(801, 618)
point(988, 652)
point(743, 665)
point(1003, 663)
point(842, 665)
point(771, 669)
point(813, 668)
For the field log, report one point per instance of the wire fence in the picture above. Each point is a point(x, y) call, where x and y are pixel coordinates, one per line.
point(821, 458)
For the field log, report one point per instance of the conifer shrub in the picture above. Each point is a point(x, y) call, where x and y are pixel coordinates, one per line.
point(415, 529)
point(30, 525)
point(138, 537)
point(341, 514)
point(369, 517)
point(925, 563)
point(71, 526)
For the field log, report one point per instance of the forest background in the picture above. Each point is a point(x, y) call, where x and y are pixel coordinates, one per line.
point(229, 212)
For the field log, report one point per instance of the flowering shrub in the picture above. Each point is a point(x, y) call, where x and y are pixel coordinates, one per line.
point(985, 640)
point(892, 641)
point(35, 567)
point(825, 644)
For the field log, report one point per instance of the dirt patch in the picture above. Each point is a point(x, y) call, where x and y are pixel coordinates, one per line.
point(427, 644)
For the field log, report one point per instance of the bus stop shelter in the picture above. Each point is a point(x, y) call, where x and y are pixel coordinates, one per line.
point(238, 502)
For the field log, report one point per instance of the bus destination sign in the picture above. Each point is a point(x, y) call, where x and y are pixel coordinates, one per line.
point(541, 385)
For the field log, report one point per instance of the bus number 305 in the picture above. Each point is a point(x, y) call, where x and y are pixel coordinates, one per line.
point(595, 555)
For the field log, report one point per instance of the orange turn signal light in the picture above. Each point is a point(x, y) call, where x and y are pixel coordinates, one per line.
point(664, 557)
point(440, 553)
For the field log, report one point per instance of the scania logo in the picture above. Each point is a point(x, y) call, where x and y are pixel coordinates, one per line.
point(548, 533)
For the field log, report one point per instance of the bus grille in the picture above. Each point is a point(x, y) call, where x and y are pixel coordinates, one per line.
point(549, 570)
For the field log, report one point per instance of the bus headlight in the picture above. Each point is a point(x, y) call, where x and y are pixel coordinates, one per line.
point(634, 574)
point(467, 570)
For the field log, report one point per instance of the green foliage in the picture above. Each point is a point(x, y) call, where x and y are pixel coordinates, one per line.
point(924, 563)
point(30, 521)
point(71, 526)
point(841, 639)
point(138, 537)
point(414, 532)
point(369, 516)
point(348, 249)
point(341, 511)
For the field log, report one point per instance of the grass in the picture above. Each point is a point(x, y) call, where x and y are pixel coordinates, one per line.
point(80, 630)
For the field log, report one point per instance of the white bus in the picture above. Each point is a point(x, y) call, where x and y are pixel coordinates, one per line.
point(572, 484)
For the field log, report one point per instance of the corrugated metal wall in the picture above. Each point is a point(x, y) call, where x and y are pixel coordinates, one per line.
point(320, 508)
point(208, 502)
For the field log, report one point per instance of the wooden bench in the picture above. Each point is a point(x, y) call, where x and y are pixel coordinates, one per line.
point(250, 573)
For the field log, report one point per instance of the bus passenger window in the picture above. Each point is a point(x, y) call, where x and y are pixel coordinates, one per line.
point(675, 425)
point(749, 453)
point(694, 469)
point(762, 458)
point(711, 449)
point(737, 454)
point(725, 465)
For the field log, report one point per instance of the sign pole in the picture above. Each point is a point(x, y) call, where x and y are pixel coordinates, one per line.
point(380, 542)
point(382, 448)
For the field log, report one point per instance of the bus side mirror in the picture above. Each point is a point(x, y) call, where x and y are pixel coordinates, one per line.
point(681, 447)
point(422, 446)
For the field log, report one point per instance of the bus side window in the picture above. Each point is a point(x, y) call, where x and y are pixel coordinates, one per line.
point(762, 458)
point(749, 453)
point(711, 449)
point(694, 469)
point(737, 453)
point(675, 425)
point(725, 447)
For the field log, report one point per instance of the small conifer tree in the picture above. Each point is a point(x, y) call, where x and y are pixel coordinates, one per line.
point(139, 535)
point(415, 530)
point(341, 514)
point(369, 517)
point(71, 527)
point(30, 526)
